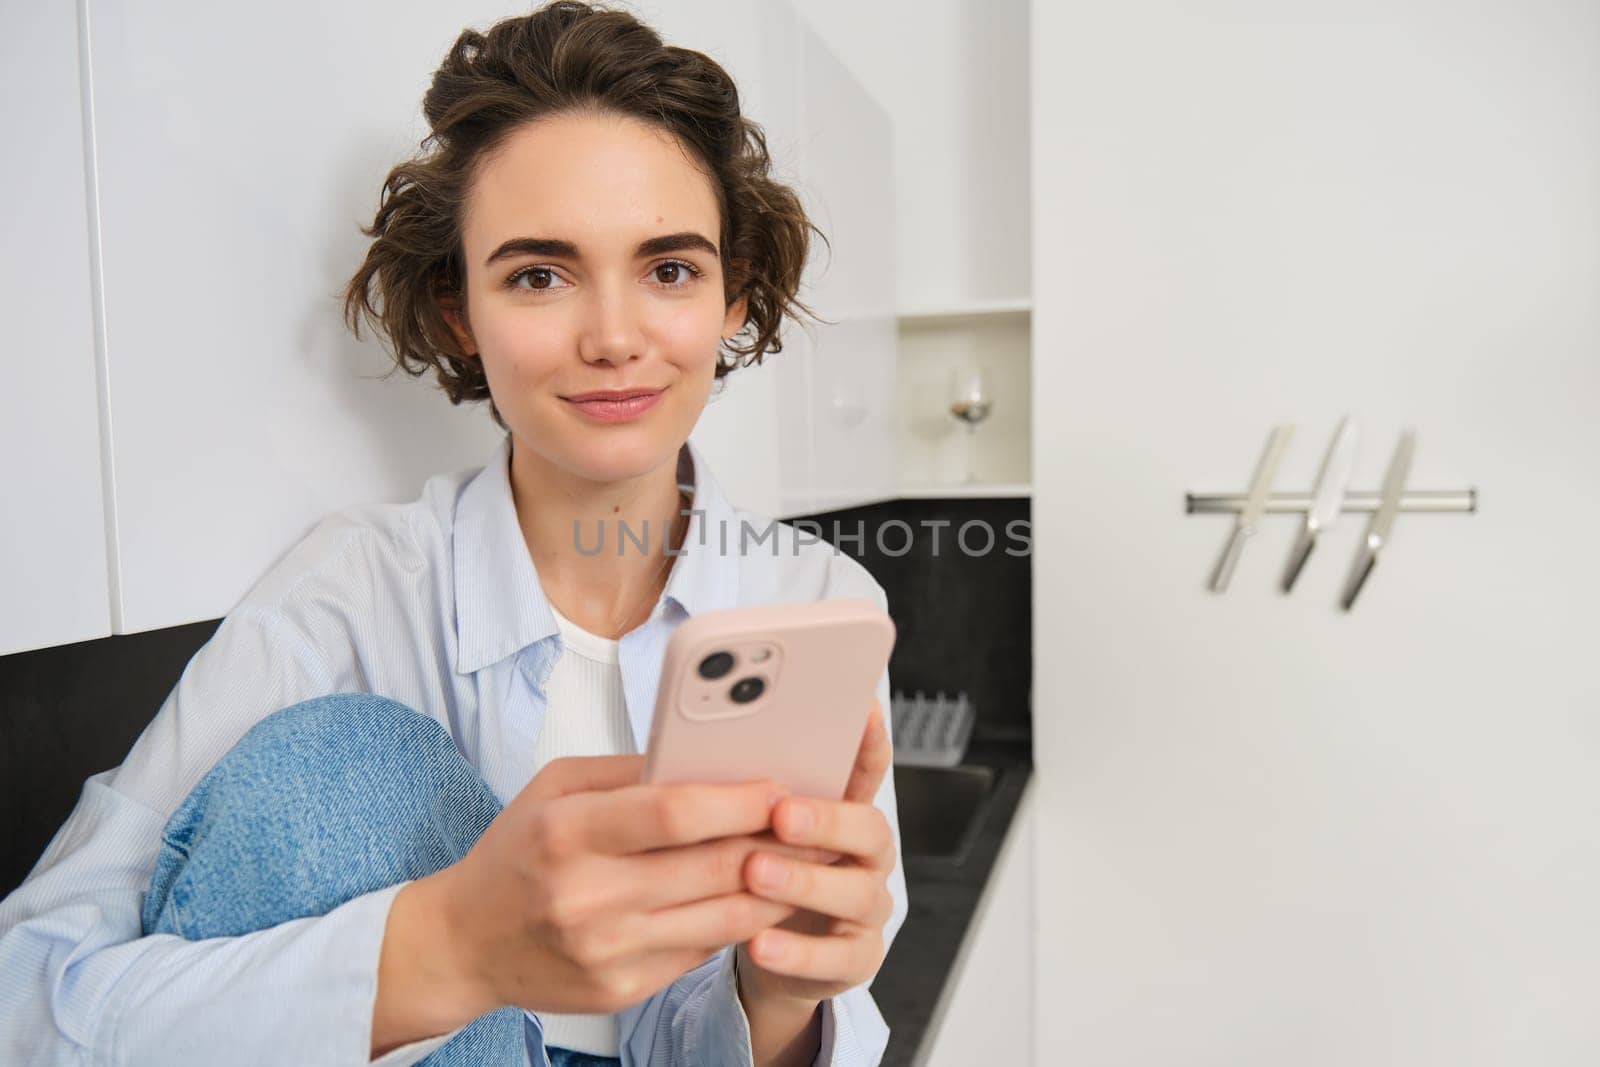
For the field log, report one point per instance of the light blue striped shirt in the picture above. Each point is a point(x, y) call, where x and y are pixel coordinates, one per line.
point(434, 603)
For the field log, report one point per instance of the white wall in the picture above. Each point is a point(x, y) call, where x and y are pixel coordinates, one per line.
point(1270, 832)
point(49, 429)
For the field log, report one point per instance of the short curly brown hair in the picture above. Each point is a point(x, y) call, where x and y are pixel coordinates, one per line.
point(565, 57)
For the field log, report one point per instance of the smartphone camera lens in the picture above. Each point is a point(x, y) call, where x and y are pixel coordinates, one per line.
point(716, 665)
point(746, 689)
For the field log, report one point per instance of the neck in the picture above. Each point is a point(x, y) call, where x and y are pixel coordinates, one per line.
point(564, 519)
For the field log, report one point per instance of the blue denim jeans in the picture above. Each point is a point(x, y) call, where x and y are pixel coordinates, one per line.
point(317, 804)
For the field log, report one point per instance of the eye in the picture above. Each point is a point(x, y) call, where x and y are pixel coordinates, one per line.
point(672, 274)
point(543, 278)
point(677, 269)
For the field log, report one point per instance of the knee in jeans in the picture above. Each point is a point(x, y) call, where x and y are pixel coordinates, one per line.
point(342, 723)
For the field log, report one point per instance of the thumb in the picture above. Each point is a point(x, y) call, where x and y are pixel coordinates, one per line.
point(872, 759)
point(582, 774)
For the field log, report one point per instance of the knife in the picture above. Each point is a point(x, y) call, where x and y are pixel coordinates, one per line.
point(1394, 482)
point(1254, 506)
point(1327, 498)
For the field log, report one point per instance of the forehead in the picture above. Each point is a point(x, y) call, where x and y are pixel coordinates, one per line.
point(603, 182)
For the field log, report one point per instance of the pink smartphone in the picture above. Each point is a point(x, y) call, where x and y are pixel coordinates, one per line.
point(780, 691)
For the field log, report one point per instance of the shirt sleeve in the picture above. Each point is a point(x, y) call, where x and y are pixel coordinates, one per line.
point(78, 982)
point(699, 1020)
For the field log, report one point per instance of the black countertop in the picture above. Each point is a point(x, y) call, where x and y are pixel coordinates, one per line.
point(943, 895)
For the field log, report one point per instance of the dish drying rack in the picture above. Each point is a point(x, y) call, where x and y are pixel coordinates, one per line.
point(930, 731)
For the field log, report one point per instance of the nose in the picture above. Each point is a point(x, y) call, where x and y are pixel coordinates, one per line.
point(611, 332)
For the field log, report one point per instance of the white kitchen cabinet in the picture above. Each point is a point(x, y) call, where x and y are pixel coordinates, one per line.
point(837, 380)
point(953, 76)
point(986, 1012)
point(54, 584)
point(1281, 833)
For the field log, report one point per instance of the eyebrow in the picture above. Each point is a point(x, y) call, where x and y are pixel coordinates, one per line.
point(546, 246)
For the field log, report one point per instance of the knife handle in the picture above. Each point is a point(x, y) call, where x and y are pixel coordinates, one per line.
point(1297, 558)
point(1358, 577)
point(1230, 558)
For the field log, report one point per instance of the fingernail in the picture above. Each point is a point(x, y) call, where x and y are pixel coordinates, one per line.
point(770, 949)
point(801, 817)
point(771, 872)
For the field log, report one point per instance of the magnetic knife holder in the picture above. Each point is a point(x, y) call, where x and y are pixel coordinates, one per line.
point(1463, 501)
point(1324, 504)
point(1459, 501)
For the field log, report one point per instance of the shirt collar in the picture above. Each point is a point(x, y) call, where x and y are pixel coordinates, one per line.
point(500, 605)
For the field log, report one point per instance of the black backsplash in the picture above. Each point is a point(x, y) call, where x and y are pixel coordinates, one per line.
point(963, 622)
point(962, 615)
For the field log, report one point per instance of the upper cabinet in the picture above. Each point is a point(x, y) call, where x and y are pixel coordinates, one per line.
point(837, 376)
point(54, 587)
point(952, 76)
point(847, 161)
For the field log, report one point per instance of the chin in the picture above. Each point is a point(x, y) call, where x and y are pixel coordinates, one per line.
point(602, 452)
point(613, 457)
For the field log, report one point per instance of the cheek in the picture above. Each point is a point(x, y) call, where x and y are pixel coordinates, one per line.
point(515, 355)
point(694, 338)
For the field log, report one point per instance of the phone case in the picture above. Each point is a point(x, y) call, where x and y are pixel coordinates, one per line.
point(823, 660)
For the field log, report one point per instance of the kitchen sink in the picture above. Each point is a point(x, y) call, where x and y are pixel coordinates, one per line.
point(941, 808)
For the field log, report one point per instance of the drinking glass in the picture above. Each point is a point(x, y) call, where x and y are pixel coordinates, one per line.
point(970, 403)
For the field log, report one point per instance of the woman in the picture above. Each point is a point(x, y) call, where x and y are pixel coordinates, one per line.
point(391, 812)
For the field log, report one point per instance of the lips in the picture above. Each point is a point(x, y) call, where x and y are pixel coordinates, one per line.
point(612, 394)
point(614, 405)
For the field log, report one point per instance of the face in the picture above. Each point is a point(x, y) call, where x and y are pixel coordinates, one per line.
point(592, 268)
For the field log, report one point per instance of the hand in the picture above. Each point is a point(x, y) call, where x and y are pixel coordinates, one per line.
point(835, 941)
point(587, 893)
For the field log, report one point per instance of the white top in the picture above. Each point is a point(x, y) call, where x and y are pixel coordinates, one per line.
point(435, 603)
point(586, 715)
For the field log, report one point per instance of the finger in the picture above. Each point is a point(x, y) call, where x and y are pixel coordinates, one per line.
point(694, 872)
point(768, 840)
point(846, 958)
point(661, 878)
point(706, 925)
point(648, 816)
point(578, 774)
point(853, 893)
point(854, 828)
point(873, 758)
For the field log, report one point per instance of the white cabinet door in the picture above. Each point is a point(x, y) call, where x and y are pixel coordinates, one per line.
point(53, 572)
point(846, 154)
point(1280, 833)
point(988, 1013)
